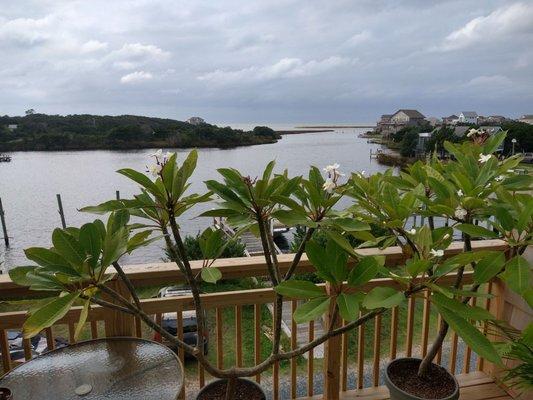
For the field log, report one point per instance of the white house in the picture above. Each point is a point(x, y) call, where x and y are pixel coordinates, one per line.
point(196, 121)
point(528, 119)
point(12, 127)
point(468, 117)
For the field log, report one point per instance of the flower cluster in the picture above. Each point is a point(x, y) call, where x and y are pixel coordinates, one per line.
point(333, 176)
point(478, 136)
point(160, 161)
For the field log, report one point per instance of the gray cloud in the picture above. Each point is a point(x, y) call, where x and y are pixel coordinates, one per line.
point(267, 61)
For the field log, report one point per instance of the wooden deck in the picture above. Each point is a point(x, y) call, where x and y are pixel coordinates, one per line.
point(474, 386)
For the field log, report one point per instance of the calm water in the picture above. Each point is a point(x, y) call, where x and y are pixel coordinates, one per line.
point(28, 185)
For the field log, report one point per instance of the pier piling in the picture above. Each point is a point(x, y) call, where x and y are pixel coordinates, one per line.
point(118, 194)
point(60, 210)
point(3, 221)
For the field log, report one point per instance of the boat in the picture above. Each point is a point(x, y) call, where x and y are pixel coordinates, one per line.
point(5, 158)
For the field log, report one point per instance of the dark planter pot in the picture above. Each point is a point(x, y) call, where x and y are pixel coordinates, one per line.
point(5, 394)
point(400, 394)
point(214, 385)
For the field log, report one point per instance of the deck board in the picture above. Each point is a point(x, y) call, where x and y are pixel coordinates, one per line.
point(474, 386)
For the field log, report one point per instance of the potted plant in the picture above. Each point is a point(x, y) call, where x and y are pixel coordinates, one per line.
point(472, 190)
point(82, 261)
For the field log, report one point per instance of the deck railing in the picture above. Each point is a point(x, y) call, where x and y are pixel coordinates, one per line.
point(362, 353)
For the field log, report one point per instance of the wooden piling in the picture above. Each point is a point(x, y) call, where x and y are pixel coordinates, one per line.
point(4, 227)
point(118, 194)
point(61, 213)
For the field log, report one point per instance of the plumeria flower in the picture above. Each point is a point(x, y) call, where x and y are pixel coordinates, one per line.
point(157, 154)
point(155, 169)
point(167, 156)
point(460, 193)
point(329, 185)
point(331, 168)
point(483, 158)
point(472, 132)
point(460, 212)
point(437, 253)
point(412, 231)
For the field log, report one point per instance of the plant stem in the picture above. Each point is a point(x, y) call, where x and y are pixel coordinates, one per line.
point(230, 388)
point(128, 283)
point(443, 329)
point(299, 254)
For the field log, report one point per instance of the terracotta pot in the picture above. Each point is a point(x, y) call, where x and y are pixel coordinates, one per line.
point(398, 394)
point(210, 386)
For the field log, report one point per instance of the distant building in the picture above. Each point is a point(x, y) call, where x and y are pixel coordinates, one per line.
point(433, 121)
point(460, 131)
point(423, 139)
point(12, 127)
point(196, 121)
point(450, 120)
point(495, 119)
point(408, 118)
point(468, 117)
point(528, 119)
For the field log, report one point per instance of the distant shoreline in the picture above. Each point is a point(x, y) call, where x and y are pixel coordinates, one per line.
point(335, 126)
point(301, 131)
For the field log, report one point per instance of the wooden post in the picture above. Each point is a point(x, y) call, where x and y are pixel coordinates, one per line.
point(332, 356)
point(118, 323)
point(118, 194)
point(4, 227)
point(60, 210)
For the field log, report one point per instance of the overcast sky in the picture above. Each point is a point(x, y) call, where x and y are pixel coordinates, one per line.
point(277, 61)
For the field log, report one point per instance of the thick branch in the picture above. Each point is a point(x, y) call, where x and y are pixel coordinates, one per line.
point(128, 283)
point(299, 254)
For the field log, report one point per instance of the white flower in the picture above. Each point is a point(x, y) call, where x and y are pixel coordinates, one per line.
point(412, 231)
point(329, 185)
point(157, 154)
point(460, 212)
point(331, 168)
point(500, 178)
point(460, 193)
point(337, 174)
point(445, 237)
point(167, 156)
point(483, 158)
point(472, 132)
point(437, 253)
point(155, 169)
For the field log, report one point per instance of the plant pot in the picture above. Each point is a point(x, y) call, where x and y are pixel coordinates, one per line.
point(404, 384)
point(245, 389)
point(5, 394)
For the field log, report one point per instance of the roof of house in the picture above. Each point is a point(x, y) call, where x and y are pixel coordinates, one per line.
point(469, 114)
point(410, 113)
point(460, 130)
point(453, 116)
point(527, 116)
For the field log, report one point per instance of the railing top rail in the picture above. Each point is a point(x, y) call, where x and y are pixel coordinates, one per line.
point(15, 319)
point(152, 274)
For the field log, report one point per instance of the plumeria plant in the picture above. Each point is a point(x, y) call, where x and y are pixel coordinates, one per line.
point(472, 191)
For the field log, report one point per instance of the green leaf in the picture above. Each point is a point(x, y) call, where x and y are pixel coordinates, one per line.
point(317, 255)
point(349, 305)
point(311, 310)
point(297, 289)
point(114, 247)
point(365, 270)
point(464, 310)
point(342, 242)
point(92, 242)
point(211, 274)
point(68, 247)
point(517, 274)
point(291, 218)
point(416, 267)
point(18, 275)
point(471, 335)
point(142, 180)
point(488, 268)
point(48, 314)
point(51, 261)
point(386, 297)
point(476, 231)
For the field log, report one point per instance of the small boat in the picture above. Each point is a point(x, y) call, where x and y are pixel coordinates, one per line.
point(5, 158)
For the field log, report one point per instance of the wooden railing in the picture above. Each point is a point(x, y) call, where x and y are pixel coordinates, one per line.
point(405, 330)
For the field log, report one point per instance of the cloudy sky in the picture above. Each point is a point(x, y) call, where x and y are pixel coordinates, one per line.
point(277, 61)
